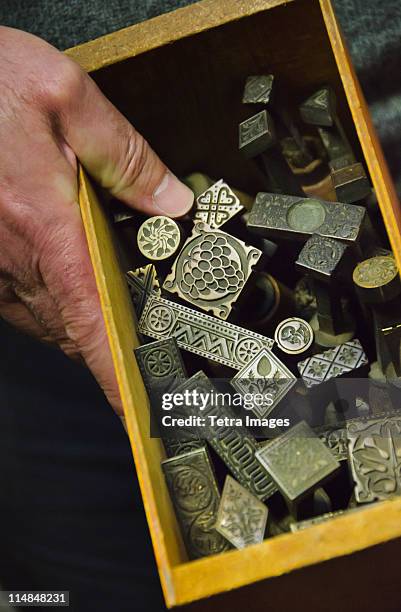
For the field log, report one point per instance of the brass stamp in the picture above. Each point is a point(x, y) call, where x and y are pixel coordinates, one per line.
point(283, 216)
point(158, 238)
point(293, 336)
point(265, 375)
point(196, 497)
point(211, 270)
point(201, 334)
point(142, 282)
point(298, 461)
point(217, 205)
point(241, 518)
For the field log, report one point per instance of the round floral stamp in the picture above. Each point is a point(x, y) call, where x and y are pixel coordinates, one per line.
point(158, 238)
point(293, 336)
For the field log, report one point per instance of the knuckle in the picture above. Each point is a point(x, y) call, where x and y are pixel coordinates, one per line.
point(64, 85)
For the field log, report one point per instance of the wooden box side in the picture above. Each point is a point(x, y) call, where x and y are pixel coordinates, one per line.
point(184, 582)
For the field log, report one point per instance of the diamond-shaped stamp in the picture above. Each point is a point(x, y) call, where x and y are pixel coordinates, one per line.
point(264, 376)
point(241, 517)
point(217, 205)
point(258, 89)
point(298, 461)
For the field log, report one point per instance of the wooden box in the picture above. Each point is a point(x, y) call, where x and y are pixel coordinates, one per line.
point(179, 78)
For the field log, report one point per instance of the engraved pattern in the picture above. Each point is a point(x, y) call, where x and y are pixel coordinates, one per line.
point(293, 336)
point(195, 495)
point(335, 438)
point(211, 270)
point(375, 457)
point(281, 215)
point(234, 445)
point(158, 238)
point(333, 362)
point(141, 282)
point(322, 255)
point(241, 518)
point(375, 272)
point(253, 128)
point(265, 375)
point(318, 108)
point(297, 461)
point(162, 370)
point(217, 205)
point(201, 334)
point(258, 89)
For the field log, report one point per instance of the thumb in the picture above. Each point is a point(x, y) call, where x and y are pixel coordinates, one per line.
point(118, 157)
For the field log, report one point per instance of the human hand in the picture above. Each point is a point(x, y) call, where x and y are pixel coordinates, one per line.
point(51, 114)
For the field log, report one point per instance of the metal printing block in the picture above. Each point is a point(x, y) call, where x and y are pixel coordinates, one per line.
point(201, 334)
point(351, 183)
point(264, 375)
point(258, 89)
point(343, 359)
point(211, 270)
point(228, 438)
point(162, 369)
point(337, 147)
point(377, 279)
point(256, 134)
point(195, 495)
point(375, 451)
point(323, 258)
point(241, 517)
point(158, 238)
point(335, 438)
point(293, 336)
point(257, 138)
point(316, 520)
point(283, 216)
point(142, 282)
point(217, 205)
point(298, 461)
point(319, 108)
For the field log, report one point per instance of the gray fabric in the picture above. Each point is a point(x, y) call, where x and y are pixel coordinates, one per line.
point(372, 28)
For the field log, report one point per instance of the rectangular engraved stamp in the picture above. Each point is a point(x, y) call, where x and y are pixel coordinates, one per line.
point(334, 362)
point(201, 334)
point(375, 457)
point(283, 216)
point(241, 518)
point(141, 282)
point(163, 370)
point(195, 495)
point(234, 444)
point(298, 461)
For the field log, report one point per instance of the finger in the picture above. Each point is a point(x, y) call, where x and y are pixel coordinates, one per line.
point(67, 273)
point(120, 158)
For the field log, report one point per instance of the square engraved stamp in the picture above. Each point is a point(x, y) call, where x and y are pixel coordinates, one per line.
point(201, 334)
point(217, 205)
point(334, 362)
point(256, 134)
point(228, 438)
point(266, 376)
point(241, 518)
point(282, 216)
point(195, 495)
point(298, 461)
point(322, 257)
point(211, 270)
point(258, 89)
point(374, 447)
point(141, 282)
